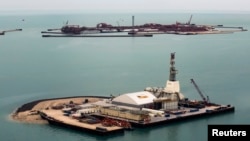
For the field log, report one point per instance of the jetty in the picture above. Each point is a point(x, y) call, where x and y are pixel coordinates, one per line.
point(85, 36)
point(12, 30)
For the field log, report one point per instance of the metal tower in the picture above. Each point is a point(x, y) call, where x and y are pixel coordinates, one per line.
point(173, 71)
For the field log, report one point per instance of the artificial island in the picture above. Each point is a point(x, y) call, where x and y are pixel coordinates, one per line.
point(144, 30)
point(115, 114)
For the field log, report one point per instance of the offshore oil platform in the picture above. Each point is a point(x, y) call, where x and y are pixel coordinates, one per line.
point(151, 106)
point(147, 29)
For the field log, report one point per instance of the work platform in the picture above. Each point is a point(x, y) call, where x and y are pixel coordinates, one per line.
point(178, 115)
point(153, 106)
point(56, 117)
point(96, 126)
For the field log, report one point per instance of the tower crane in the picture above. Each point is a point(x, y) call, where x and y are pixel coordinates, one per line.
point(206, 100)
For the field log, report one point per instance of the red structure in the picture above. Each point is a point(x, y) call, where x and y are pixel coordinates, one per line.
point(114, 122)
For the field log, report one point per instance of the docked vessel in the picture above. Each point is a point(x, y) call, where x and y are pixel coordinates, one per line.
point(151, 106)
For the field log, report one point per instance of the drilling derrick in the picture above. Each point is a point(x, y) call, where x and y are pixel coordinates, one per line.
point(173, 71)
point(172, 85)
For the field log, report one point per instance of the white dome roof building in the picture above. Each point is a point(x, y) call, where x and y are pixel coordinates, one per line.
point(141, 99)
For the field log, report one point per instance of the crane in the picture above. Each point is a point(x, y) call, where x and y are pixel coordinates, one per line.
point(206, 100)
point(190, 20)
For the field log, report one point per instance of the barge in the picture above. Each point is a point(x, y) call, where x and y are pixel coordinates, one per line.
point(152, 106)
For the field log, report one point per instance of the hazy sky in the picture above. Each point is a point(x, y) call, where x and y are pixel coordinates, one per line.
point(127, 5)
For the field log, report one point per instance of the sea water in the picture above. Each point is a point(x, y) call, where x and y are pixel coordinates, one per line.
point(33, 67)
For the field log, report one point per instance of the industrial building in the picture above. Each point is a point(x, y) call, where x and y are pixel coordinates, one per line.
point(142, 99)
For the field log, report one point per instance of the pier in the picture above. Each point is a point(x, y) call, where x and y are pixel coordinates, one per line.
point(12, 30)
point(85, 36)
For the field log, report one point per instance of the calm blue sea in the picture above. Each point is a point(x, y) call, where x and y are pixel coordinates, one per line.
point(33, 67)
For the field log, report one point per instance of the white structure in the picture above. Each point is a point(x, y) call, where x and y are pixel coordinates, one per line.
point(137, 99)
point(154, 112)
point(172, 87)
point(85, 109)
point(168, 97)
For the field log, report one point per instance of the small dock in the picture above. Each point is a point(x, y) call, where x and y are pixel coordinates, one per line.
point(5, 31)
point(177, 116)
